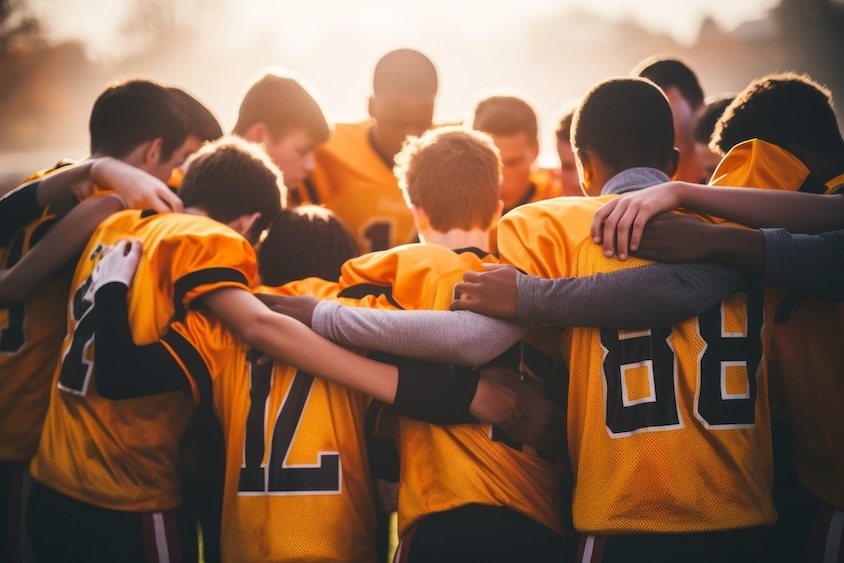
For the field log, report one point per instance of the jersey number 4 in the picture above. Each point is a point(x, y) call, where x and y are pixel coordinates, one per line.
point(278, 477)
point(727, 367)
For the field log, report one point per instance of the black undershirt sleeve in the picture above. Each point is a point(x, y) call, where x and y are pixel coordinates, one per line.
point(17, 209)
point(124, 369)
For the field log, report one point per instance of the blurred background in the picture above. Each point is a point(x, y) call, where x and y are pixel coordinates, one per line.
point(57, 55)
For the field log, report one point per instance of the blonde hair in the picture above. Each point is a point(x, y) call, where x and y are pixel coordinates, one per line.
point(453, 174)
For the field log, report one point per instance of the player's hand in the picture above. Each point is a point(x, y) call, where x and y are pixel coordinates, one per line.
point(496, 402)
point(300, 307)
point(544, 429)
point(138, 189)
point(117, 263)
point(492, 293)
point(672, 237)
point(618, 225)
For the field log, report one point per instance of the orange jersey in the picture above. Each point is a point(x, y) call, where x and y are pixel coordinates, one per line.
point(295, 452)
point(354, 182)
point(131, 446)
point(807, 336)
point(668, 428)
point(445, 467)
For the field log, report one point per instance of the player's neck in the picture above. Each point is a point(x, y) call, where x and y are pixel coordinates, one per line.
point(457, 238)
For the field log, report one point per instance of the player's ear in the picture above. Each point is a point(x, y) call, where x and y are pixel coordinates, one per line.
point(257, 133)
point(585, 168)
point(420, 219)
point(244, 224)
point(152, 153)
point(673, 163)
point(371, 107)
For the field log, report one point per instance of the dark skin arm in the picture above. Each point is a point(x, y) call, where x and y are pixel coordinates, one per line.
point(493, 293)
point(681, 238)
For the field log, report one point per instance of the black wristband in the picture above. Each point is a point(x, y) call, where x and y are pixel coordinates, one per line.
point(433, 393)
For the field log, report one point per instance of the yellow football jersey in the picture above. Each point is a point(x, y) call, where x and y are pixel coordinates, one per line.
point(360, 188)
point(807, 336)
point(442, 468)
point(31, 334)
point(668, 428)
point(122, 455)
point(296, 452)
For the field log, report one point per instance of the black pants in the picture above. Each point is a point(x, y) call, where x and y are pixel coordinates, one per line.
point(67, 530)
point(492, 534)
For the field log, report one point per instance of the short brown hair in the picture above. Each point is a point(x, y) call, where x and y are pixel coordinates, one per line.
point(231, 177)
point(505, 114)
point(283, 103)
point(454, 175)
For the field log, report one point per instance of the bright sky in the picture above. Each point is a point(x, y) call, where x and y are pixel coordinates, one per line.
point(476, 44)
point(308, 21)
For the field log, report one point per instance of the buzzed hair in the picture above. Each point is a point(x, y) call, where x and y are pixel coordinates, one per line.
point(505, 114)
point(668, 71)
point(306, 241)
point(283, 103)
point(231, 177)
point(131, 112)
point(406, 72)
point(453, 174)
point(201, 122)
point(627, 123)
point(783, 109)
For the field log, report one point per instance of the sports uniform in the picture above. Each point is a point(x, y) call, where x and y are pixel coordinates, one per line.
point(353, 181)
point(668, 428)
point(295, 449)
point(462, 467)
point(807, 338)
point(130, 447)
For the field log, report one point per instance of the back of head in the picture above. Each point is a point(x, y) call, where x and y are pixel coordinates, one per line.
point(666, 72)
point(453, 174)
point(283, 102)
point(505, 114)
point(200, 121)
point(405, 72)
point(307, 241)
point(132, 112)
point(231, 177)
point(783, 109)
point(626, 122)
point(707, 117)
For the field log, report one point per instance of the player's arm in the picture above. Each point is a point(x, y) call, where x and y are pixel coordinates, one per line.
point(458, 338)
point(426, 391)
point(67, 186)
point(61, 246)
point(619, 224)
point(811, 264)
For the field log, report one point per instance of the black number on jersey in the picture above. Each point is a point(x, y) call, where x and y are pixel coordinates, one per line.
point(278, 476)
point(76, 369)
point(648, 357)
point(377, 233)
point(12, 335)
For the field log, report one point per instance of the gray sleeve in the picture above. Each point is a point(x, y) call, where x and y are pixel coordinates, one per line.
point(452, 337)
point(811, 264)
point(655, 295)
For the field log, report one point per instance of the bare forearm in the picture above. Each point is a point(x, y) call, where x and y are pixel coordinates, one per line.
point(795, 211)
